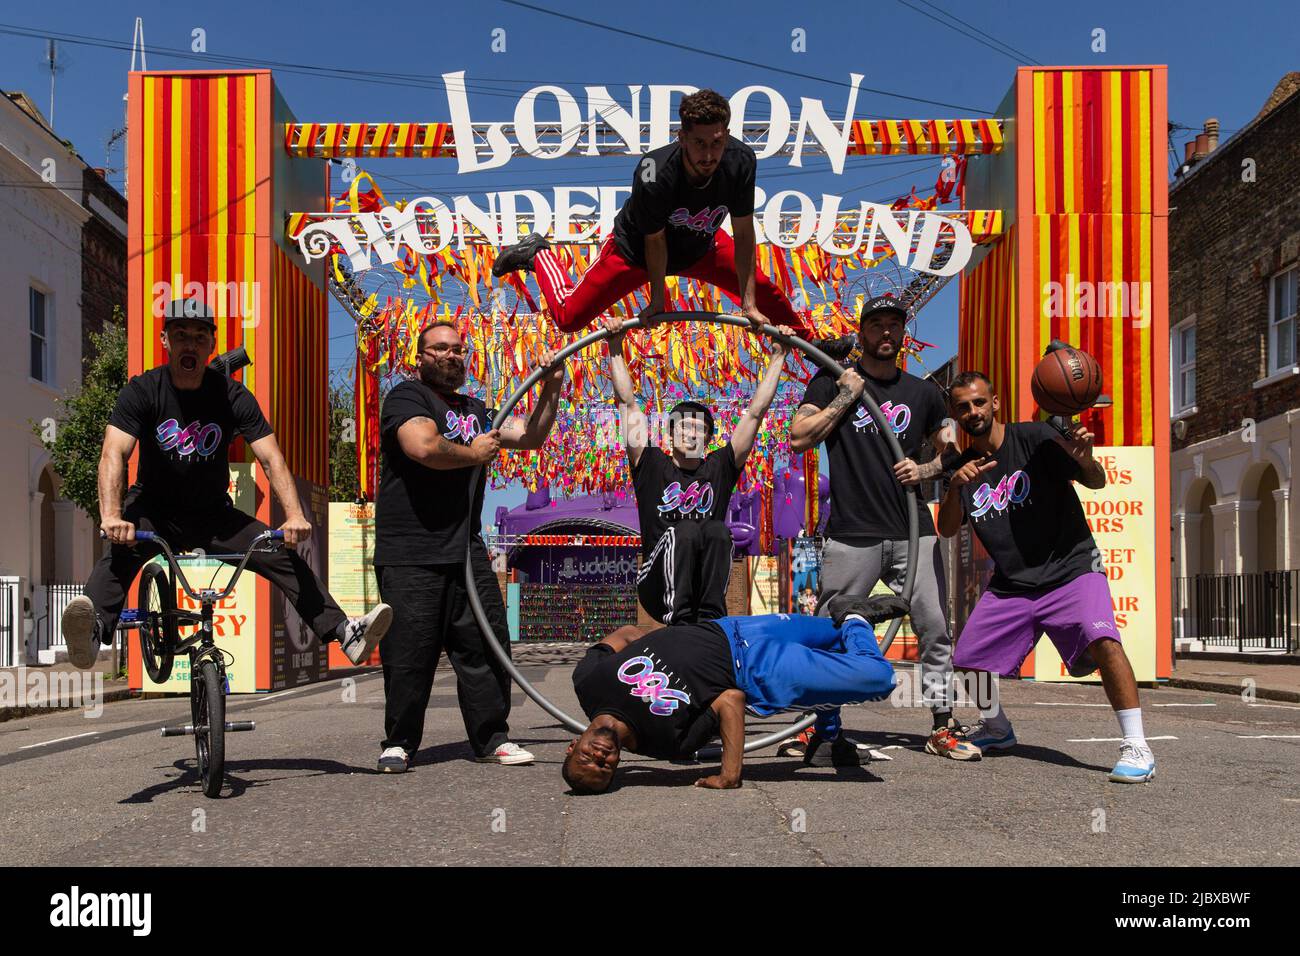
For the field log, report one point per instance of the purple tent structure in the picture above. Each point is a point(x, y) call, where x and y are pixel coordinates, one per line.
point(615, 513)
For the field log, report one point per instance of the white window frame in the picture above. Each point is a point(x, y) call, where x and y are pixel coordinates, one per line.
point(1274, 323)
point(1178, 368)
point(47, 337)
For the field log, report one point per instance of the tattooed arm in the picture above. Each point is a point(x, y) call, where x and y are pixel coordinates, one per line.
point(422, 442)
point(811, 424)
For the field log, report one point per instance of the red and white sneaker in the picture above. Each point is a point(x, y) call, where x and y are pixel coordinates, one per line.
point(508, 754)
point(949, 742)
point(797, 745)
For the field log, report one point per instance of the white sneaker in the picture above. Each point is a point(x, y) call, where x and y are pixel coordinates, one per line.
point(394, 760)
point(1136, 764)
point(508, 754)
point(79, 631)
point(361, 634)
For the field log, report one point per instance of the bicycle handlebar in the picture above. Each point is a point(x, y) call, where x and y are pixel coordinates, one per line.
point(270, 534)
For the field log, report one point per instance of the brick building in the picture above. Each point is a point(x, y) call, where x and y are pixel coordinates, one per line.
point(1234, 259)
point(103, 254)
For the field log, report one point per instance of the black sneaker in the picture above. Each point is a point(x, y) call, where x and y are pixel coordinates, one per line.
point(840, 752)
point(519, 257)
point(876, 610)
point(837, 348)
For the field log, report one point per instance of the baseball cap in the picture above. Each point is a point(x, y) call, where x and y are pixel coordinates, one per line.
point(882, 303)
point(192, 309)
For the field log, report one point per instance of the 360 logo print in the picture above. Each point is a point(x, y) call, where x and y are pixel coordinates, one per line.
point(652, 685)
point(194, 437)
point(1011, 490)
point(461, 426)
point(697, 497)
point(898, 416)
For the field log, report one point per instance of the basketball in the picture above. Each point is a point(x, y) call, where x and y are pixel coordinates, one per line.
point(1067, 381)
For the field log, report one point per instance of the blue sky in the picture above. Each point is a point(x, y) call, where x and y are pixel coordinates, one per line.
point(1223, 62)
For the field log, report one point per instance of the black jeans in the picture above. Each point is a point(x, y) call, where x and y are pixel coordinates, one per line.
point(683, 580)
point(221, 529)
point(431, 612)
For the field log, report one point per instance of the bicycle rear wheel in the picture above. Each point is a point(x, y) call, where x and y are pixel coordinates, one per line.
point(157, 602)
point(208, 710)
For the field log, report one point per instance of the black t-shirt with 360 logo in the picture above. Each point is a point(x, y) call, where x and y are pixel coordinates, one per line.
point(1026, 512)
point(423, 515)
point(666, 494)
point(867, 501)
point(185, 436)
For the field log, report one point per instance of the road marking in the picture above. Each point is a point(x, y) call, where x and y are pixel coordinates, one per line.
point(1065, 703)
point(1184, 705)
point(46, 743)
point(1267, 736)
point(1280, 706)
point(1107, 740)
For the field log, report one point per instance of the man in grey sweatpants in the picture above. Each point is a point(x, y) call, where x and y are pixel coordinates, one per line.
point(867, 532)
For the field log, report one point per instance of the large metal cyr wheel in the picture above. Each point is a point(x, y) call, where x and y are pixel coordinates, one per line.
point(817, 356)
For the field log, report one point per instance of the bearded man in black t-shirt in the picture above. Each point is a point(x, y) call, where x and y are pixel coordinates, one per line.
point(867, 534)
point(184, 415)
point(427, 517)
point(682, 498)
point(682, 193)
point(1013, 484)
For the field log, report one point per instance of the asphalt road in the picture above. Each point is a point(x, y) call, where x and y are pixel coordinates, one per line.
point(301, 789)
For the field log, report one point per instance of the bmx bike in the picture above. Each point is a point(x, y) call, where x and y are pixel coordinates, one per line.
point(159, 621)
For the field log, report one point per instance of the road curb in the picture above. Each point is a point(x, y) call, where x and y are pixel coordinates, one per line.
point(1266, 693)
point(17, 713)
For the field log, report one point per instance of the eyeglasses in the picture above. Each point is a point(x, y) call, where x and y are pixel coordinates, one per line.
point(443, 348)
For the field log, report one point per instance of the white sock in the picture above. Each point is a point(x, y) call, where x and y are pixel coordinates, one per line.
point(1130, 725)
point(857, 617)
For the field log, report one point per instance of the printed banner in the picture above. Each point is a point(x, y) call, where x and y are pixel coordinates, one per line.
point(1122, 520)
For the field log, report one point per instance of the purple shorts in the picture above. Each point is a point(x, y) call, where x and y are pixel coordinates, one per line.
point(1004, 628)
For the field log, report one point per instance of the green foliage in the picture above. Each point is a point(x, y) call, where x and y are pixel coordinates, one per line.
point(75, 438)
point(343, 454)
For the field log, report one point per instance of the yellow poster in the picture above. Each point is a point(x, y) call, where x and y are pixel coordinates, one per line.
point(233, 628)
point(1122, 519)
point(765, 585)
point(351, 566)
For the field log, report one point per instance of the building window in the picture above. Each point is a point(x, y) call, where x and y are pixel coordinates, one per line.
point(1182, 372)
point(1282, 321)
point(39, 324)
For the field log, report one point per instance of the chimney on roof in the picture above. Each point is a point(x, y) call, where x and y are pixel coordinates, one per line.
point(1212, 131)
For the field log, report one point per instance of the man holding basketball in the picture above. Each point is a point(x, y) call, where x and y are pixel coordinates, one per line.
point(1013, 484)
point(682, 497)
point(670, 225)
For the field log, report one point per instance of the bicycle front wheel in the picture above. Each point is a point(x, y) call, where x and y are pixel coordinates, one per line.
point(157, 623)
point(208, 708)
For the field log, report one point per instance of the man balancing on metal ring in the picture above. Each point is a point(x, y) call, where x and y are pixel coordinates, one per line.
point(184, 415)
point(670, 692)
point(682, 194)
point(682, 497)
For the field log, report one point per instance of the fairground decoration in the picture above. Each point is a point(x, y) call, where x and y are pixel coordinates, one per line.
point(224, 179)
point(438, 256)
